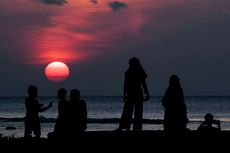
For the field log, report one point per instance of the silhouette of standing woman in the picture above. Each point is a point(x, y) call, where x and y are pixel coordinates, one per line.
point(133, 98)
point(175, 118)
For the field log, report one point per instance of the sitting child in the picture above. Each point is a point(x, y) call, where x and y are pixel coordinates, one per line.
point(207, 125)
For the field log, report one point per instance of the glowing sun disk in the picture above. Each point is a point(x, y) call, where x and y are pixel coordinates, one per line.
point(57, 71)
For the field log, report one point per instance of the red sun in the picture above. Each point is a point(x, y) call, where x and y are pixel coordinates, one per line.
point(57, 71)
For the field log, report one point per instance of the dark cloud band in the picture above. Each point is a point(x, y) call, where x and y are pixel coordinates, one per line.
point(116, 6)
point(94, 1)
point(54, 2)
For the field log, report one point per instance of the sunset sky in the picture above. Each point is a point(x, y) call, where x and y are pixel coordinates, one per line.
point(96, 38)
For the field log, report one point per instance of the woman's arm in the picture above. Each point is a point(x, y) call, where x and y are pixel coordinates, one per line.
point(125, 90)
point(146, 91)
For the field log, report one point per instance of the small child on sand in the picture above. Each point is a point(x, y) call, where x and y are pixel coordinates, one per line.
point(207, 125)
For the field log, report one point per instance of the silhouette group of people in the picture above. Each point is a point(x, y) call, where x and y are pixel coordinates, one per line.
point(72, 115)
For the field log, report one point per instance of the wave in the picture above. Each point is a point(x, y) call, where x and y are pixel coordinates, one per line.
point(21, 119)
point(117, 120)
point(90, 120)
point(99, 120)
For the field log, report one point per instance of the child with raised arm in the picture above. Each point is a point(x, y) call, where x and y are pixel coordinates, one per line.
point(32, 123)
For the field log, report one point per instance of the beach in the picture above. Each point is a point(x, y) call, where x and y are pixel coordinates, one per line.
point(117, 141)
point(104, 113)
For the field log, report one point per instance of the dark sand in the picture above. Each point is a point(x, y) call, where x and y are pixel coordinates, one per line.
point(144, 139)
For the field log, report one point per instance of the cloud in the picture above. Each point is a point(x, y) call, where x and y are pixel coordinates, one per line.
point(94, 1)
point(116, 6)
point(54, 2)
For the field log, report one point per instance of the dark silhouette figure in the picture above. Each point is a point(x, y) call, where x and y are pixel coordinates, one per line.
point(60, 126)
point(77, 113)
point(32, 123)
point(134, 85)
point(207, 125)
point(175, 119)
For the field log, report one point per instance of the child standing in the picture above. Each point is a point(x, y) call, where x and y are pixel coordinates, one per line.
point(32, 123)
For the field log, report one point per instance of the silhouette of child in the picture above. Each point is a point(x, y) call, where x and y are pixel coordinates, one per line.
point(60, 126)
point(32, 123)
point(206, 126)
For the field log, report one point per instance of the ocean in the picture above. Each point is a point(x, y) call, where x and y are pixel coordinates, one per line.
point(105, 111)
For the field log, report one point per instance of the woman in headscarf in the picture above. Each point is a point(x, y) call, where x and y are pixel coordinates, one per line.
point(175, 118)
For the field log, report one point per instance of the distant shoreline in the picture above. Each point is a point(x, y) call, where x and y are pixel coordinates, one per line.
point(84, 96)
point(92, 120)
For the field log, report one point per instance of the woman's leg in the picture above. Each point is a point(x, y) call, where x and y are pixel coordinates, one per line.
point(138, 115)
point(126, 118)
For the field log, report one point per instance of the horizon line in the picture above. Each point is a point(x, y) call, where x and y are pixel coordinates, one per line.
point(119, 96)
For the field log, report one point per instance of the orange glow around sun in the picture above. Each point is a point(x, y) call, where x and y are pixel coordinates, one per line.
point(57, 71)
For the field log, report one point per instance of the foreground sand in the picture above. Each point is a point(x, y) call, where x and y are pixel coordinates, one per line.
point(129, 139)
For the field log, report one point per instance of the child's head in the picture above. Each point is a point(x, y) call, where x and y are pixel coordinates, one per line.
point(61, 93)
point(209, 119)
point(32, 91)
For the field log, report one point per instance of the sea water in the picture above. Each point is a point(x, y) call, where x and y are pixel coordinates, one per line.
point(104, 112)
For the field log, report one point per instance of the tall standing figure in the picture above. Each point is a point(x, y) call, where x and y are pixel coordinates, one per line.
point(175, 119)
point(133, 97)
point(32, 123)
